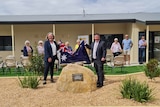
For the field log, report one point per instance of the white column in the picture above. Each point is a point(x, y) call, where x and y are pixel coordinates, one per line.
point(147, 40)
point(134, 38)
point(54, 29)
point(134, 44)
point(92, 32)
point(13, 44)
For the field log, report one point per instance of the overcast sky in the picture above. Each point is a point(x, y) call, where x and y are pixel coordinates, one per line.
point(51, 7)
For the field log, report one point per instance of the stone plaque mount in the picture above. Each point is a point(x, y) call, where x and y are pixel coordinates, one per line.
point(77, 77)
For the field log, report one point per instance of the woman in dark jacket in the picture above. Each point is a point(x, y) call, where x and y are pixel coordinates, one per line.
point(27, 50)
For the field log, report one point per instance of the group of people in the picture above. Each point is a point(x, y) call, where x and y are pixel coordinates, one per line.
point(28, 50)
point(65, 47)
point(127, 45)
point(98, 52)
point(50, 48)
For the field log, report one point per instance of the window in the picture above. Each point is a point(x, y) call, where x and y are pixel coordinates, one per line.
point(154, 45)
point(109, 39)
point(5, 43)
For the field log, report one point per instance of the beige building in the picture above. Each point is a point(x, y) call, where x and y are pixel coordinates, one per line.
point(14, 30)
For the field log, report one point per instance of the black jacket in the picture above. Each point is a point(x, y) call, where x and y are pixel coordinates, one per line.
point(48, 50)
point(101, 50)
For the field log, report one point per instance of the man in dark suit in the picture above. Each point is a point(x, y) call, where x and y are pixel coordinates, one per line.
point(50, 54)
point(98, 54)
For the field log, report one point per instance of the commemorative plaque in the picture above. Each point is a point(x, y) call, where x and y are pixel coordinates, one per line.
point(77, 77)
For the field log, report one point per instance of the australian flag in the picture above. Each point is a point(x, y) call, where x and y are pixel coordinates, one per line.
point(79, 55)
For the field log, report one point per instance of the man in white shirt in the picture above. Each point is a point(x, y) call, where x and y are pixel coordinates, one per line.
point(98, 54)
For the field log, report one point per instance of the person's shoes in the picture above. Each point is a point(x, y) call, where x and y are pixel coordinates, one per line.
point(44, 82)
point(99, 86)
point(97, 83)
point(52, 81)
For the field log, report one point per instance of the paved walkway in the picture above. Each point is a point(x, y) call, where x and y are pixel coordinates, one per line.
point(134, 64)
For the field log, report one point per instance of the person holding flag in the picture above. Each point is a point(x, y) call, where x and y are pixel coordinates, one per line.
point(67, 48)
point(80, 55)
point(98, 55)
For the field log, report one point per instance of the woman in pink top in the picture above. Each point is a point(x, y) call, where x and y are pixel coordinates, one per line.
point(40, 48)
point(116, 48)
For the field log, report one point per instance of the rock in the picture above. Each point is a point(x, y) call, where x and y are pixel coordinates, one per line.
point(65, 81)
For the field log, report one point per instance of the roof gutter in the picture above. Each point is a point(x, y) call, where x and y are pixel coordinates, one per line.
point(152, 22)
point(71, 21)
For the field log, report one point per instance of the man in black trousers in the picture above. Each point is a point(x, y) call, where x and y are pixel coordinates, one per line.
point(98, 54)
point(50, 54)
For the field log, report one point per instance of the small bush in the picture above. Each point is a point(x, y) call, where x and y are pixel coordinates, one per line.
point(151, 69)
point(30, 80)
point(133, 89)
point(37, 63)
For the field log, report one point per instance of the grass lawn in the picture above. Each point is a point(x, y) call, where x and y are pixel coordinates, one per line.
point(117, 70)
point(125, 70)
point(107, 71)
point(20, 72)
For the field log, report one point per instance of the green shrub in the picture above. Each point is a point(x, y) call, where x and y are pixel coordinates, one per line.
point(37, 63)
point(30, 80)
point(133, 89)
point(151, 69)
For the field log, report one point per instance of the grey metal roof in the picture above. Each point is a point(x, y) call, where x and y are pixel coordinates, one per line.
point(143, 17)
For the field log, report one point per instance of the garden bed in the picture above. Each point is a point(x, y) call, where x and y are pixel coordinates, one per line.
point(11, 94)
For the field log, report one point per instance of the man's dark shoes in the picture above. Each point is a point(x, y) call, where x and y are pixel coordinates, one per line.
point(44, 82)
point(99, 86)
point(52, 81)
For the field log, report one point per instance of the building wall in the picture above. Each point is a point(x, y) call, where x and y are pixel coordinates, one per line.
point(70, 32)
point(134, 32)
point(5, 30)
point(154, 27)
point(30, 32)
point(112, 28)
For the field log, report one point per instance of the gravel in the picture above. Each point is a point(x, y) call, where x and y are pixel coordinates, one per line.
point(12, 95)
